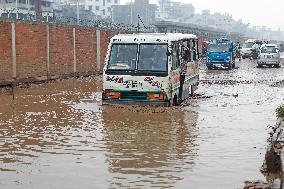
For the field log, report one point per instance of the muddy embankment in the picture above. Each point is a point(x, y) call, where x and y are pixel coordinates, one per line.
point(272, 167)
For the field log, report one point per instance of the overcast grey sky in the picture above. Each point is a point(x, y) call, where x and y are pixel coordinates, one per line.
point(257, 12)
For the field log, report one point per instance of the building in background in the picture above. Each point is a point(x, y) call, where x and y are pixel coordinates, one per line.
point(163, 12)
point(86, 9)
point(218, 21)
point(121, 14)
point(101, 8)
point(128, 14)
point(174, 11)
point(24, 8)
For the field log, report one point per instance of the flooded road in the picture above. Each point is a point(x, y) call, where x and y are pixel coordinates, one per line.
point(57, 135)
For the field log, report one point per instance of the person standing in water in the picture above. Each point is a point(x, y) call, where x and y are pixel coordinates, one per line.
point(184, 57)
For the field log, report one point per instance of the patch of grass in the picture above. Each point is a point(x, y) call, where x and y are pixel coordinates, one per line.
point(280, 111)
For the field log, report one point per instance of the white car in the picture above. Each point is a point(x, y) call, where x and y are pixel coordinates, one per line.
point(269, 56)
point(246, 50)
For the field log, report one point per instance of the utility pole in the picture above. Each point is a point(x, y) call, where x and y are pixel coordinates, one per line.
point(131, 13)
point(16, 9)
point(38, 8)
point(78, 13)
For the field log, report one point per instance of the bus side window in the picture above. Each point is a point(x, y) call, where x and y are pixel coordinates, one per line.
point(194, 50)
point(189, 52)
point(197, 49)
point(175, 57)
point(185, 54)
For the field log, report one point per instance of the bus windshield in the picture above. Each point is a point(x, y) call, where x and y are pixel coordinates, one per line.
point(123, 57)
point(220, 47)
point(153, 57)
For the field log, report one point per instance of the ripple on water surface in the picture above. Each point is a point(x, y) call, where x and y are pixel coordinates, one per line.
point(55, 136)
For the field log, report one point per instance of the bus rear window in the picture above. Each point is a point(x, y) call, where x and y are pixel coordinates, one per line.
point(123, 57)
point(153, 57)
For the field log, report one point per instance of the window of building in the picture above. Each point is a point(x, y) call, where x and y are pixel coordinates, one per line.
point(97, 0)
point(108, 1)
point(116, 1)
point(12, 1)
point(104, 2)
point(97, 8)
point(104, 12)
point(109, 9)
point(90, 7)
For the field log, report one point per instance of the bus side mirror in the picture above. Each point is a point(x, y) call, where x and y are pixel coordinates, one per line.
point(168, 53)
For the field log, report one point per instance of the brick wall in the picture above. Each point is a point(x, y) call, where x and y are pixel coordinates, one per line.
point(86, 50)
point(5, 51)
point(61, 50)
point(32, 50)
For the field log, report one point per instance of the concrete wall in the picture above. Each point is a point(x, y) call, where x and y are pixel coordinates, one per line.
point(31, 52)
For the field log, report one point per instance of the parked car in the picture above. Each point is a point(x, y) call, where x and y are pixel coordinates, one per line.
point(269, 56)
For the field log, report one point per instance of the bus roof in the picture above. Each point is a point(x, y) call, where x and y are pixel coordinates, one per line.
point(150, 37)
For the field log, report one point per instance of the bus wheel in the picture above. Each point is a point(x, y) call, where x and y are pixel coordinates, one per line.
point(175, 100)
point(234, 65)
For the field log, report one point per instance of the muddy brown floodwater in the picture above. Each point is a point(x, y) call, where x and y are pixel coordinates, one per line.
point(57, 135)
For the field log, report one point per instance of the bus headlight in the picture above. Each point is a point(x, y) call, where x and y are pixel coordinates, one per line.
point(156, 96)
point(112, 94)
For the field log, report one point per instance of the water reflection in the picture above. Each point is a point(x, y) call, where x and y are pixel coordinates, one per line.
point(45, 119)
point(149, 147)
point(58, 135)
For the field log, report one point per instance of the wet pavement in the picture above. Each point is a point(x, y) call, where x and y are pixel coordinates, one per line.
point(57, 135)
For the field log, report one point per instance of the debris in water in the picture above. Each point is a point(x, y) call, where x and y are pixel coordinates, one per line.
point(278, 84)
point(256, 185)
point(187, 102)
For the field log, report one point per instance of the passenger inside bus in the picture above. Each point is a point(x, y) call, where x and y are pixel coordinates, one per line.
point(153, 57)
point(123, 57)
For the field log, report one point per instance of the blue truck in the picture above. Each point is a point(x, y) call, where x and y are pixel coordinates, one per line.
point(221, 53)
